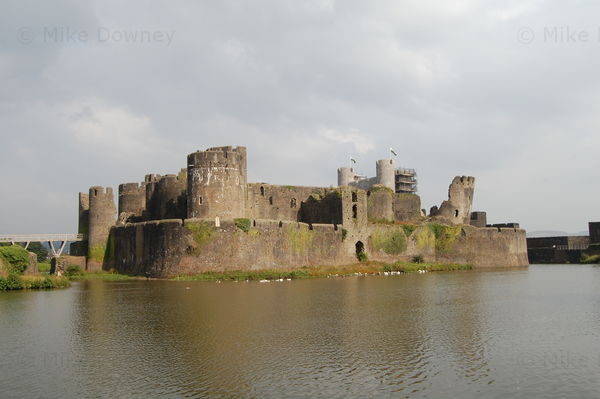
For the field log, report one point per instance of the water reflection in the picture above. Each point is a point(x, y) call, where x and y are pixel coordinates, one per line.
point(433, 335)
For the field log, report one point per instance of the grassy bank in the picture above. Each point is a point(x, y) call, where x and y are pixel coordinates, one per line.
point(99, 275)
point(44, 267)
point(366, 268)
point(18, 282)
point(14, 260)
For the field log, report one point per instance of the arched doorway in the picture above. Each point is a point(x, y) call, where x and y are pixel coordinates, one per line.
point(360, 251)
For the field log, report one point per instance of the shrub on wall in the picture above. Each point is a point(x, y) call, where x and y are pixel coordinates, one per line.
point(201, 233)
point(299, 239)
point(425, 239)
point(243, 224)
point(445, 236)
point(392, 241)
point(409, 229)
point(14, 258)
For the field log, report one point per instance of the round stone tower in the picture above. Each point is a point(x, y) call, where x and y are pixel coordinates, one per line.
point(102, 217)
point(169, 198)
point(345, 176)
point(132, 198)
point(386, 173)
point(217, 183)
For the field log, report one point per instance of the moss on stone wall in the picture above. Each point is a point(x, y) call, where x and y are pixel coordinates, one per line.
point(97, 253)
point(378, 187)
point(202, 233)
point(391, 241)
point(299, 239)
point(409, 229)
point(445, 236)
point(243, 224)
point(425, 239)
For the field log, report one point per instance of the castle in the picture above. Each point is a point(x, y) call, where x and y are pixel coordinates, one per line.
point(209, 218)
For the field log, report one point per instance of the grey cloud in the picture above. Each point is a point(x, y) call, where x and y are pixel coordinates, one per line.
point(447, 85)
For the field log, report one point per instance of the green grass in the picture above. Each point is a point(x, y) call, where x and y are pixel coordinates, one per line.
point(373, 268)
point(44, 267)
point(18, 282)
point(99, 275)
point(410, 267)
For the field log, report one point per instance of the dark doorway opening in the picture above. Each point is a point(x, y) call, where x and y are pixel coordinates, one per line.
point(360, 250)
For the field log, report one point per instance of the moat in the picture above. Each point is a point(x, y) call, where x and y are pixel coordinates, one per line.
point(520, 333)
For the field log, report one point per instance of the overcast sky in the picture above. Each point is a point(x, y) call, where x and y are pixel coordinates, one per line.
point(104, 92)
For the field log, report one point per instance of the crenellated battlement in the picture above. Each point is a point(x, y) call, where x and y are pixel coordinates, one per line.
point(466, 181)
point(234, 157)
point(100, 192)
point(129, 188)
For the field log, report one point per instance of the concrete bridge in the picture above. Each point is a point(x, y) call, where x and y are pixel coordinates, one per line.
point(61, 239)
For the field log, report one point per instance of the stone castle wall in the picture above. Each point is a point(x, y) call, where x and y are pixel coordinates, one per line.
point(175, 247)
point(187, 223)
point(293, 203)
point(385, 205)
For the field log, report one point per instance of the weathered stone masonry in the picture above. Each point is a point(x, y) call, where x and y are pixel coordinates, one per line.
point(209, 218)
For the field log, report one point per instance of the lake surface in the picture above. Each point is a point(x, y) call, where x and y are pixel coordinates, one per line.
point(532, 333)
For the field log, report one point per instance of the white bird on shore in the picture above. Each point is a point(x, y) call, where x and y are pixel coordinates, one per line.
point(264, 281)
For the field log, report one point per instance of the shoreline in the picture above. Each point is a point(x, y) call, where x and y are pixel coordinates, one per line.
point(370, 268)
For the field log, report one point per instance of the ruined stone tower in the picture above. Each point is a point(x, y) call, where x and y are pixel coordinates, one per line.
point(102, 217)
point(217, 183)
point(457, 209)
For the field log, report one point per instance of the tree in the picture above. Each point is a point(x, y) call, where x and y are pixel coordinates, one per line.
point(38, 249)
